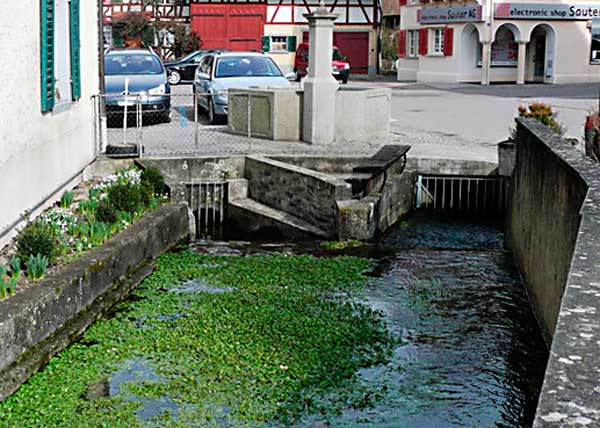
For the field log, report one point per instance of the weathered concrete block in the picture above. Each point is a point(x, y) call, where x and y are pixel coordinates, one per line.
point(40, 321)
point(507, 157)
point(275, 113)
point(362, 114)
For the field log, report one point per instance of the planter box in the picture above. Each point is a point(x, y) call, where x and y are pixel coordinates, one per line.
point(38, 322)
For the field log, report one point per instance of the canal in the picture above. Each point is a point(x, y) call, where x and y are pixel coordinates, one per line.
point(429, 328)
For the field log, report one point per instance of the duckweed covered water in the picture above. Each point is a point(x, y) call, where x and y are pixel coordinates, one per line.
point(440, 334)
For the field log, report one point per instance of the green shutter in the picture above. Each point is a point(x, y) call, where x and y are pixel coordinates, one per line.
point(266, 43)
point(291, 43)
point(75, 50)
point(47, 54)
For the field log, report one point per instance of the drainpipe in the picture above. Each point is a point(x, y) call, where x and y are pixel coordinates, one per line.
point(101, 46)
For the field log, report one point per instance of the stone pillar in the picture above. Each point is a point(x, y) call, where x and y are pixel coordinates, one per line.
point(486, 62)
point(320, 86)
point(522, 62)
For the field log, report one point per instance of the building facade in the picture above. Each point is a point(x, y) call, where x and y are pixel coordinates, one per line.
point(46, 125)
point(498, 42)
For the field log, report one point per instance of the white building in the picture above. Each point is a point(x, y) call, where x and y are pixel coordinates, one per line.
point(49, 71)
point(518, 42)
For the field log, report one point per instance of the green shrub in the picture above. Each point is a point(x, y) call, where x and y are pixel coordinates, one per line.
point(147, 193)
point(88, 207)
point(37, 238)
point(36, 266)
point(125, 197)
point(153, 177)
point(106, 212)
point(66, 200)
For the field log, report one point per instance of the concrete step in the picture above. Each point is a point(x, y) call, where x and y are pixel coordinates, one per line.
point(255, 215)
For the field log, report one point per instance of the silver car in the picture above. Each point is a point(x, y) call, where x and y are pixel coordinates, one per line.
point(219, 72)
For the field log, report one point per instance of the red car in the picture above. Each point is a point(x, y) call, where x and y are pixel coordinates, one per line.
point(340, 64)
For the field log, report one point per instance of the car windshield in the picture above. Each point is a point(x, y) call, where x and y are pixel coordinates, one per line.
point(188, 57)
point(238, 66)
point(132, 64)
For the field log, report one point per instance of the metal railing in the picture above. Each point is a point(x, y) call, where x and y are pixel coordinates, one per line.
point(466, 194)
point(162, 125)
point(208, 202)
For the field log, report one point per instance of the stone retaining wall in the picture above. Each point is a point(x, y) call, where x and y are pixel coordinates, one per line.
point(38, 322)
point(302, 192)
point(553, 229)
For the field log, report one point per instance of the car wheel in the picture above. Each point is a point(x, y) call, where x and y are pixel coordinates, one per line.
point(175, 78)
point(298, 77)
point(212, 117)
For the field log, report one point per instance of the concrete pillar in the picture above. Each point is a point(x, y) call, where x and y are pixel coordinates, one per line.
point(320, 86)
point(522, 62)
point(486, 62)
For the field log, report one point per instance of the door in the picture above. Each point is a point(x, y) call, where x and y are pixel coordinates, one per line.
point(236, 27)
point(539, 58)
point(354, 45)
point(189, 70)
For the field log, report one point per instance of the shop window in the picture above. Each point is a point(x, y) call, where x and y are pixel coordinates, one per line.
point(505, 51)
point(413, 43)
point(437, 41)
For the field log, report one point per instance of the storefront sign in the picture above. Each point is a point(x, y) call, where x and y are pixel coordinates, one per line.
point(545, 11)
point(595, 48)
point(440, 15)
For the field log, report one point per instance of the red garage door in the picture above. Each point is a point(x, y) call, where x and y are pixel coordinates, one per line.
point(355, 46)
point(225, 26)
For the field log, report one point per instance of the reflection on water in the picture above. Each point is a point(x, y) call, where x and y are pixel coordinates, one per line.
point(471, 353)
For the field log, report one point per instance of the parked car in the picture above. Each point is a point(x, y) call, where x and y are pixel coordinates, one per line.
point(340, 65)
point(219, 72)
point(183, 70)
point(146, 79)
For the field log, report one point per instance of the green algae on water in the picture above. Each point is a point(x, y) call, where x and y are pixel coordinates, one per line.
point(228, 341)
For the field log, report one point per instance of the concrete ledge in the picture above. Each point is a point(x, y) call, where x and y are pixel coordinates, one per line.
point(40, 321)
point(553, 229)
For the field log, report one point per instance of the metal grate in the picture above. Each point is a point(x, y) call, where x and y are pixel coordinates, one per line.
point(468, 194)
point(208, 201)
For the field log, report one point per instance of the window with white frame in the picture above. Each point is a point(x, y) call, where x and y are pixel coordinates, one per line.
point(413, 43)
point(279, 44)
point(438, 41)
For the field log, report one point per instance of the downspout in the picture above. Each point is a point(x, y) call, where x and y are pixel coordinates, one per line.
point(101, 46)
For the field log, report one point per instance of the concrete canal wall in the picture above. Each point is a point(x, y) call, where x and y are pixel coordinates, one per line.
point(40, 321)
point(553, 229)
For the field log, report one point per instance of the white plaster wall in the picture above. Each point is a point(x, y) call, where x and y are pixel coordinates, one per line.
point(408, 67)
point(40, 152)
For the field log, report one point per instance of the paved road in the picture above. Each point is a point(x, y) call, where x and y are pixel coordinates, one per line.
point(464, 120)
point(438, 121)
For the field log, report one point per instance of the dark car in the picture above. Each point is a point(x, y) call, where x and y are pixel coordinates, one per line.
point(145, 77)
point(183, 70)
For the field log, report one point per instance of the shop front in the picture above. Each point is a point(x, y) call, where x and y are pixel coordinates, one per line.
point(524, 42)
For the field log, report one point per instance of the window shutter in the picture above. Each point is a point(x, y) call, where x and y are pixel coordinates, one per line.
point(47, 54)
point(291, 43)
point(448, 40)
point(423, 41)
point(402, 43)
point(266, 43)
point(75, 50)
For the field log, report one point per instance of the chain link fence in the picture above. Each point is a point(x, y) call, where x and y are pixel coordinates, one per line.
point(164, 125)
